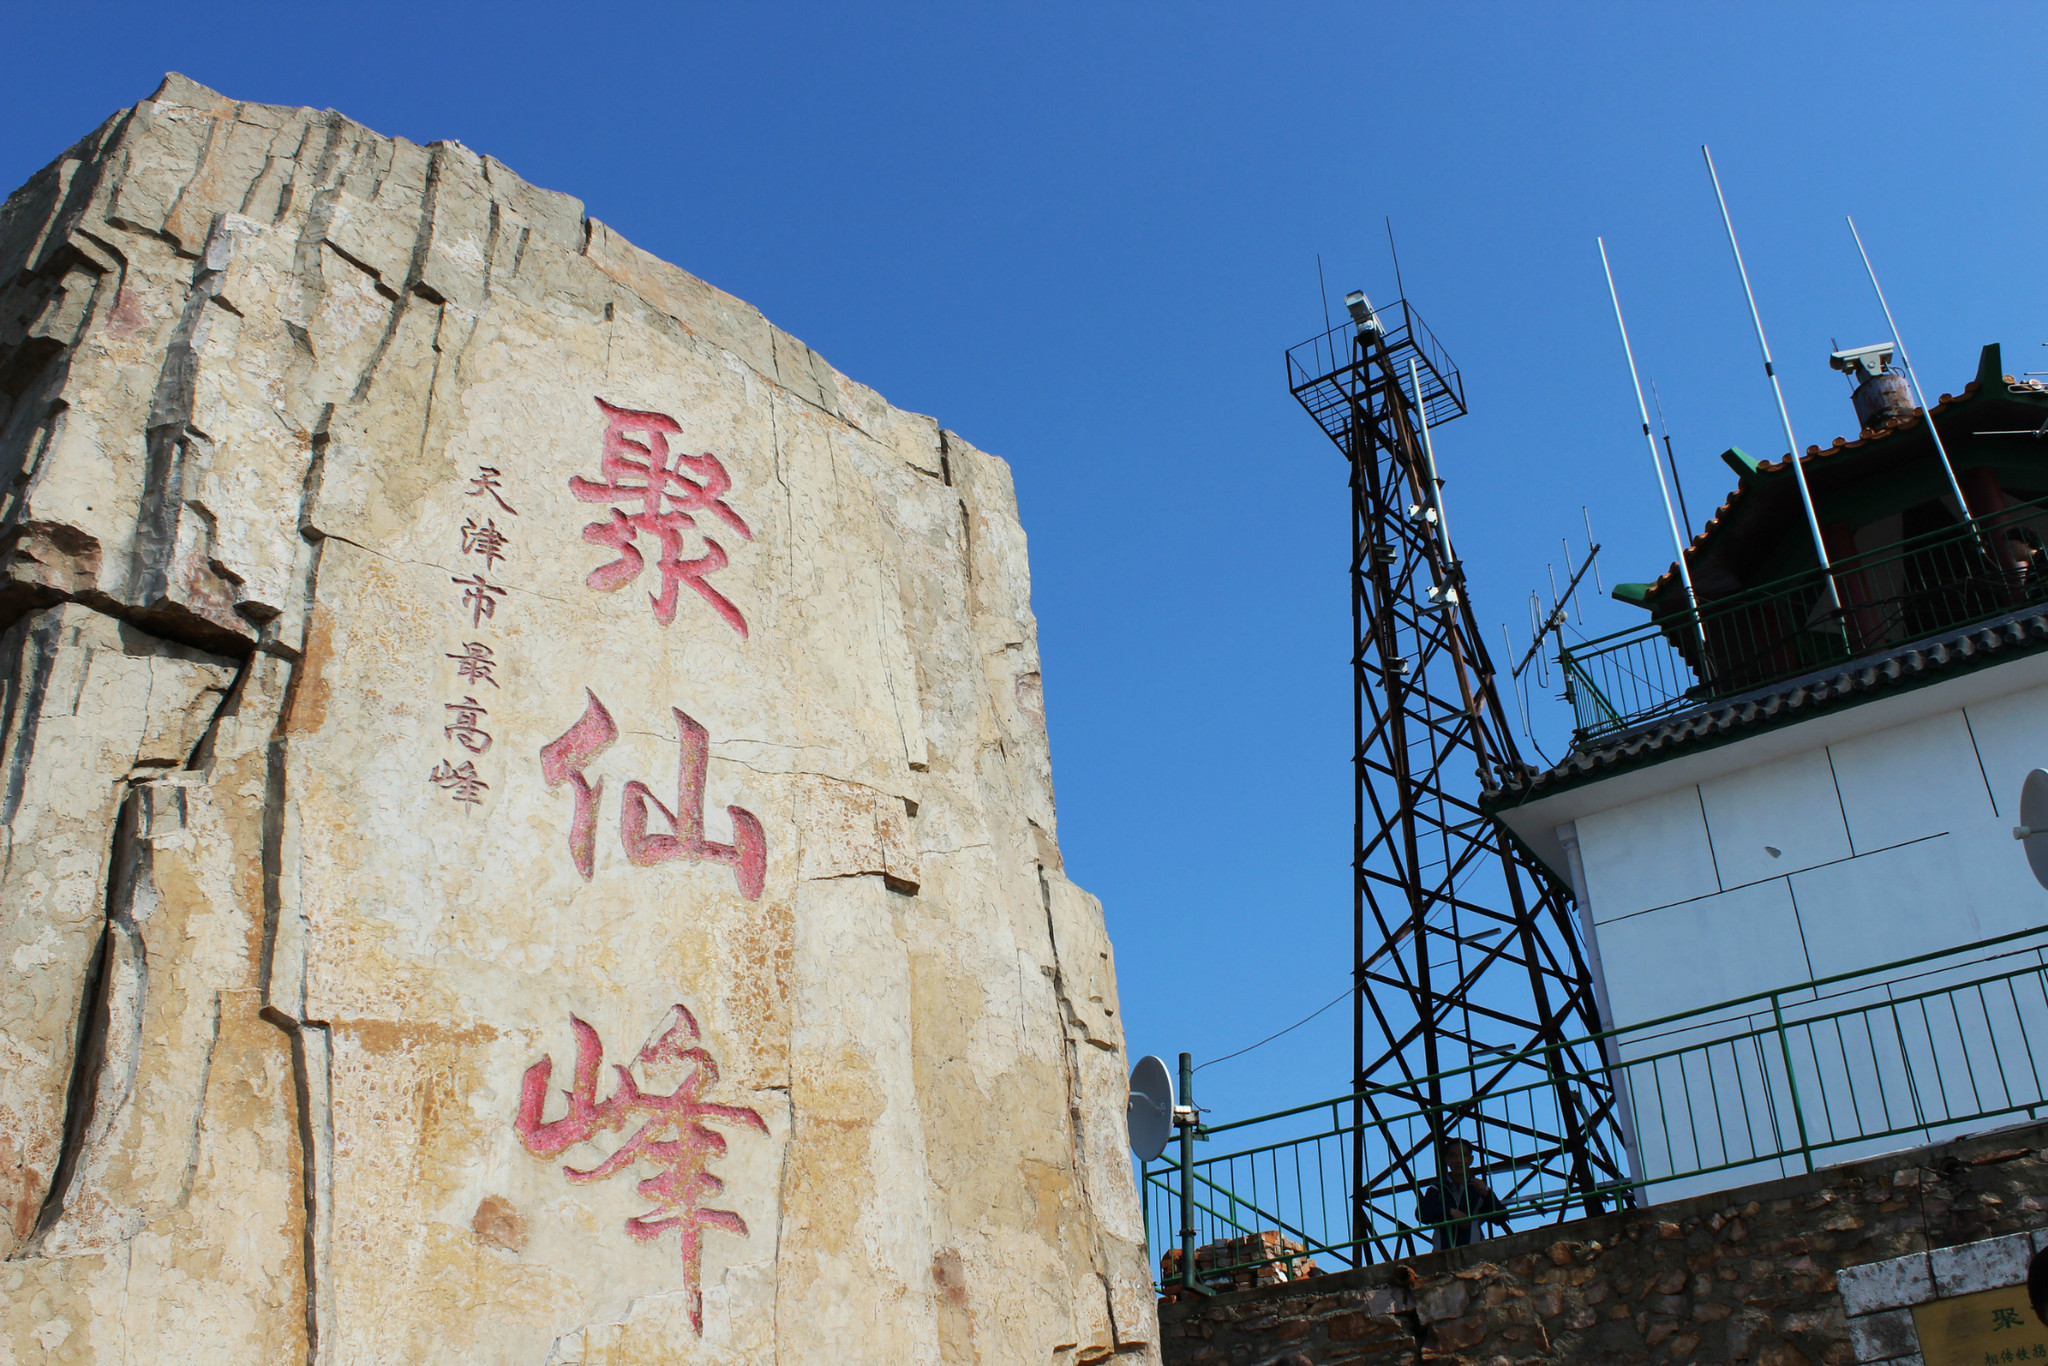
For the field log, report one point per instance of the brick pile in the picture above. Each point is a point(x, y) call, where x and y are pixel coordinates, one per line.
point(1277, 1257)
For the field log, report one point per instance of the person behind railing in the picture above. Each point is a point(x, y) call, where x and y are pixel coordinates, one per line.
point(2026, 558)
point(1454, 1205)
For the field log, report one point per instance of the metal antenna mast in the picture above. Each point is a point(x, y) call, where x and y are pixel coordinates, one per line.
point(1469, 976)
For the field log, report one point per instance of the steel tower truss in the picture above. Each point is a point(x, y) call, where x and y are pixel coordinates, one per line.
point(1470, 977)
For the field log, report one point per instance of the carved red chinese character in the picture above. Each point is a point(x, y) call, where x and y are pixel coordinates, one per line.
point(674, 1136)
point(462, 727)
point(476, 661)
point(487, 483)
point(485, 540)
point(462, 784)
point(564, 759)
point(748, 852)
point(480, 597)
point(647, 472)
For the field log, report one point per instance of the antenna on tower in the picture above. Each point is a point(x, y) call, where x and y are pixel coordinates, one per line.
point(1515, 684)
point(1561, 609)
point(1587, 517)
point(1536, 630)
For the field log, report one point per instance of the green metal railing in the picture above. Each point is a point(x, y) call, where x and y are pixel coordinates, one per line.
point(1743, 1090)
point(1740, 642)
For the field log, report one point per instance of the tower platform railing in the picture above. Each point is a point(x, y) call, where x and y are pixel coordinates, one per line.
point(1328, 373)
point(1746, 642)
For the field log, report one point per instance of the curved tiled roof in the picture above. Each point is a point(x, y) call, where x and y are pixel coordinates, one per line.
point(1815, 455)
point(2020, 633)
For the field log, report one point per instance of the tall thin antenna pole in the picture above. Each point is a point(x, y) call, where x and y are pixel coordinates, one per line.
point(1436, 492)
point(1401, 288)
point(1677, 544)
point(1777, 390)
point(1593, 550)
point(1670, 457)
point(1323, 288)
point(1947, 467)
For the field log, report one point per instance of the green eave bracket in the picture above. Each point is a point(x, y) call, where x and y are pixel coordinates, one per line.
point(1634, 594)
point(1738, 460)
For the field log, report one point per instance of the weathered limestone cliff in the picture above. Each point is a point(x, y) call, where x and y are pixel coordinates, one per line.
point(527, 830)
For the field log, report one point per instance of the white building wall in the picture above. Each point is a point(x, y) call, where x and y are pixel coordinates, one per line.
point(1843, 857)
point(1788, 863)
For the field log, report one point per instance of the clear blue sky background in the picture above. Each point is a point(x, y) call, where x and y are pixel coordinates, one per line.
point(1082, 235)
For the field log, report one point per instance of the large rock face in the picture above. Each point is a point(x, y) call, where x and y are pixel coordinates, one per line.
point(528, 834)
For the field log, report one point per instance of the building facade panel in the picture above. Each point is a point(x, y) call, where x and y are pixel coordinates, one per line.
point(2011, 735)
point(1910, 781)
point(1715, 948)
point(1774, 819)
point(1886, 905)
point(1652, 852)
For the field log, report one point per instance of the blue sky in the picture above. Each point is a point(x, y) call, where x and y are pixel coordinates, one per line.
point(1082, 236)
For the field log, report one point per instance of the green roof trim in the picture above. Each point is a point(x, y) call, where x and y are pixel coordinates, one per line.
point(1990, 368)
point(1738, 460)
point(1634, 594)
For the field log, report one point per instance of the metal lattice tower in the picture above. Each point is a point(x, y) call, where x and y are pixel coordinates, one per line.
point(1466, 954)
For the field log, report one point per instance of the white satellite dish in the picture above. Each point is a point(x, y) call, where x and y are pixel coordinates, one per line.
point(1149, 1111)
point(2032, 830)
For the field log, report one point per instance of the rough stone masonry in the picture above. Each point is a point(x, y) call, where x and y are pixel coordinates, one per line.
point(527, 830)
point(1826, 1268)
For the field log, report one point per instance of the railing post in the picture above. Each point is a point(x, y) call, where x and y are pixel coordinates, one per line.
point(1184, 1117)
point(1791, 1081)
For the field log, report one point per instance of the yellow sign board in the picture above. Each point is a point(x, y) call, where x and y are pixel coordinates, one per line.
point(1990, 1328)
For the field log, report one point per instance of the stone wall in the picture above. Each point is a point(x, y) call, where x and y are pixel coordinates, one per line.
point(1823, 1267)
point(527, 830)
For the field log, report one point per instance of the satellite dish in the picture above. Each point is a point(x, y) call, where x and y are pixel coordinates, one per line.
point(1149, 1111)
point(2032, 830)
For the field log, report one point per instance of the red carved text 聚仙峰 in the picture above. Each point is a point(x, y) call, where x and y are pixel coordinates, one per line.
point(646, 472)
point(674, 1135)
point(564, 759)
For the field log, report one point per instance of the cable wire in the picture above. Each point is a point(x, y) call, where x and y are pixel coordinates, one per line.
point(1270, 1037)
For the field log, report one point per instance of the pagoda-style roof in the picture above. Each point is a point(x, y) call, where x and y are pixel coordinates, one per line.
point(1759, 534)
